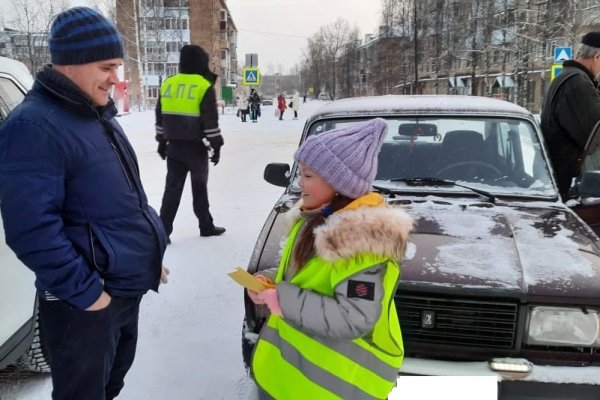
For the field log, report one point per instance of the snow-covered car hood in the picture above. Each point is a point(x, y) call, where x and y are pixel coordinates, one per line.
point(532, 250)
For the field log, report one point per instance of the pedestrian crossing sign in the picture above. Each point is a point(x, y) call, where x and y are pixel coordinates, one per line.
point(251, 76)
point(562, 54)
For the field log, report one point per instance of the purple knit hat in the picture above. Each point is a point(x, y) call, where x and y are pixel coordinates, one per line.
point(346, 158)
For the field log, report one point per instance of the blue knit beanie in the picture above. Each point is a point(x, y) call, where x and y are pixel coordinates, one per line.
point(81, 35)
point(346, 158)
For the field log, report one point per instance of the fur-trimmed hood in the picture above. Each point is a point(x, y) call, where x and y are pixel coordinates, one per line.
point(346, 233)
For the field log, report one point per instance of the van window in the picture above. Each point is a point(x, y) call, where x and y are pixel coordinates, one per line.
point(10, 97)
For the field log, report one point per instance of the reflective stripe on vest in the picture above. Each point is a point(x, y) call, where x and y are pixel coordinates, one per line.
point(290, 364)
point(182, 94)
point(315, 373)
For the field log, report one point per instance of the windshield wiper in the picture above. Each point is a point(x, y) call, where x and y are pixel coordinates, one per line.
point(442, 182)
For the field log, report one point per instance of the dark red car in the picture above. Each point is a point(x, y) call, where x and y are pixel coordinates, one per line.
point(500, 277)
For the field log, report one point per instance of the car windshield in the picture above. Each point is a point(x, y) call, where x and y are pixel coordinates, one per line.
point(498, 155)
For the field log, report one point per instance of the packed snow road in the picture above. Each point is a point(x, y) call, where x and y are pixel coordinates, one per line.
point(189, 342)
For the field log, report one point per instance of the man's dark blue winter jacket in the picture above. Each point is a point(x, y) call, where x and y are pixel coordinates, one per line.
point(72, 202)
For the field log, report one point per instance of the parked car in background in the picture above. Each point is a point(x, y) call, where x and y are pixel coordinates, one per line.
point(500, 276)
point(324, 96)
point(267, 101)
point(19, 329)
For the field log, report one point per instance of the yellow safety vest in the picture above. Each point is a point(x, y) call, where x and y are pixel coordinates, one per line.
point(289, 364)
point(182, 94)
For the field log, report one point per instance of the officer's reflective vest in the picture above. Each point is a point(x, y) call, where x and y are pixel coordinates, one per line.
point(289, 364)
point(182, 94)
point(180, 98)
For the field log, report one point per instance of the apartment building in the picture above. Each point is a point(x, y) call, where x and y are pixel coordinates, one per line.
point(506, 51)
point(155, 30)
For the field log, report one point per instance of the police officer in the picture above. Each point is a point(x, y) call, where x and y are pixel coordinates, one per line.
point(186, 115)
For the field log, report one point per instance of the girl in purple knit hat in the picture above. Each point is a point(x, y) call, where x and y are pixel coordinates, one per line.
point(333, 332)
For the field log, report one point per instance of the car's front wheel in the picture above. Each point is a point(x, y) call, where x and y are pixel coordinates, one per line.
point(36, 358)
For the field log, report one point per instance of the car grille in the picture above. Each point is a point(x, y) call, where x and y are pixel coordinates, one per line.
point(457, 322)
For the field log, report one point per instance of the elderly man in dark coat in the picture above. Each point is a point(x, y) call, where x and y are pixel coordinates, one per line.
point(571, 110)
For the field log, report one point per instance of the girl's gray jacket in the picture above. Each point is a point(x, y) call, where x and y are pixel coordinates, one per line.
point(376, 230)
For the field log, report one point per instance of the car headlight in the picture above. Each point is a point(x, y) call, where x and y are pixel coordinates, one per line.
point(562, 326)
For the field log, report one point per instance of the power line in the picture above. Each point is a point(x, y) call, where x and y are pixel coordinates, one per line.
point(272, 33)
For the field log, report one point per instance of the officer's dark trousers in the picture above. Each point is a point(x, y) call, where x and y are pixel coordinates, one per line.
point(184, 157)
point(89, 351)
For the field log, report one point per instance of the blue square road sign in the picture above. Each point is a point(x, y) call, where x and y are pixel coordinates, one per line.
point(562, 53)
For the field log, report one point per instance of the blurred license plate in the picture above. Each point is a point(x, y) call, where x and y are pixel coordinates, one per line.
point(446, 388)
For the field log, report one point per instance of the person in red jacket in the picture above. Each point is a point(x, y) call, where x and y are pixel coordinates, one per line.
point(281, 105)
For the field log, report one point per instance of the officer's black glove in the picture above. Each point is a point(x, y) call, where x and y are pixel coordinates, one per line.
point(162, 149)
point(215, 156)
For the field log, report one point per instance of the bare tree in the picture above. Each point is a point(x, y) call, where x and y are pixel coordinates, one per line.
point(32, 20)
point(315, 62)
point(393, 56)
point(335, 37)
point(349, 64)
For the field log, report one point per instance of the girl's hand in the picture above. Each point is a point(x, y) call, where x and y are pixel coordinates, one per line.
point(254, 295)
point(269, 297)
point(264, 279)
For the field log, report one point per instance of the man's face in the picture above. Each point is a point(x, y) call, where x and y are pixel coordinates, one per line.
point(596, 65)
point(94, 79)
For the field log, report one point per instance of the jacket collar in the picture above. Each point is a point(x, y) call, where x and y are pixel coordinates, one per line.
point(368, 200)
point(366, 225)
point(62, 89)
point(578, 65)
point(381, 230)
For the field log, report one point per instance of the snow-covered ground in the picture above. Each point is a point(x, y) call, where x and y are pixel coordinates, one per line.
point(189, 343)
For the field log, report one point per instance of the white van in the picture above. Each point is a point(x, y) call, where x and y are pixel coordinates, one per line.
point(19, 330)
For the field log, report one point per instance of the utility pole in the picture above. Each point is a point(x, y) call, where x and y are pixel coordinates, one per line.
point(416, 47)
point(140, 65)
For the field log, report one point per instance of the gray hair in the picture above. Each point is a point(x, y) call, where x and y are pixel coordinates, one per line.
point(586, 51)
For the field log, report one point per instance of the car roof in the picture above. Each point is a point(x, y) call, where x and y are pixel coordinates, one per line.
point(17, 70)
point(391, 105)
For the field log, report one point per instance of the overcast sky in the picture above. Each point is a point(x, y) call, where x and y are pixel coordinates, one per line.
point(277, 30)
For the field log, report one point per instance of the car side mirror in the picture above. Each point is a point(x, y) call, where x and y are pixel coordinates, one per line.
point(589, 185)
point(277, 174)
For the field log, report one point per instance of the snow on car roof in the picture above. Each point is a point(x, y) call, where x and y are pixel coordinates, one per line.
point(18, 70)
point(419, 104)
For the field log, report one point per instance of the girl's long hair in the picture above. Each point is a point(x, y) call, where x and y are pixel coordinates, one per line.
point(305, 243)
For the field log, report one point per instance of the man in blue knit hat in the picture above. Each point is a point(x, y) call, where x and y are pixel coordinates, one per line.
point(75, 211)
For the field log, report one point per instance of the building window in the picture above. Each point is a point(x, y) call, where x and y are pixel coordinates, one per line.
point(172, 47)
point(176, 3)
point(155, 69)
point(172, 69)
point(153, 92)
